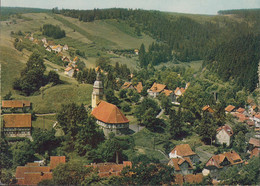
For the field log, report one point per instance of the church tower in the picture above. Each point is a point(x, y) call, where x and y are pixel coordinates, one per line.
point(98, 91)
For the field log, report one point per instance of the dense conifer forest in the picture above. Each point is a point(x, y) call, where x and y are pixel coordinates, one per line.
point(229, 44)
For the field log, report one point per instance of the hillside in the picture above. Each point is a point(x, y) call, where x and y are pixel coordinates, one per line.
point(84, 38)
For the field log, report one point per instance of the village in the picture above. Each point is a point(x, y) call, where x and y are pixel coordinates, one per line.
point(108, 97)
point(18, 123)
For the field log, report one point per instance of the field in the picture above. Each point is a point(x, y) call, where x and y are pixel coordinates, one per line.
point(88, 37)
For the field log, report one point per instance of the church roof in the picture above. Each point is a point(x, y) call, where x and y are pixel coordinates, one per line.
point(109, 113)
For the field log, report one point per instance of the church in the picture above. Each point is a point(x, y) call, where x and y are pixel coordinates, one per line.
point(109, 117)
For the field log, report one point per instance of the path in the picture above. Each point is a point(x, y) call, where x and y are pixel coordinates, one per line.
point(49, 114)
point(159, 115)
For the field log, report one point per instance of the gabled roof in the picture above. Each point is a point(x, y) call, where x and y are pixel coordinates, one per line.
point(56, 160)
point(68, 69)
point(167, 92)
point(139, 87)
point(240, 110)
point(257, 116)
point(231, 156)
point(255, 152)
point(109, 169)
point(21, 170)
point(227, 129)
point(157, 87)
point(229, 108)
point(255, 142)
point(15, 103)
point(33, 178)
point(109, 113)
point(182, 90)
point(208, 109)
point(17, 120)
point(126, 85)
point(183, 150)
point(177, 162)
point(193, 178)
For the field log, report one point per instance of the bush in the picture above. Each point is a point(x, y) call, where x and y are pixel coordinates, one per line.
point(126, 107)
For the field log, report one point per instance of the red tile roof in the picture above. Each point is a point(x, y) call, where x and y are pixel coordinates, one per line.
point(179, 179)
point(229, 108)
point(208, 109)
point(255, 142)
point(33, 173)
point(183, 150)
point(258, 115)
point(240, 110)
point(193, 178)
point(227, 129)
point(126, 85)
point(182, 90)
point(177, 162)
point(231, 156)
point(157, 87)
point(139, 87)
point(167, 92)
point(17, 120)
point(110, 169)
point(255, 152)
point(250, 123)
point(109, 113)
point(56, 160)
point(68, 69)
point(15, 103)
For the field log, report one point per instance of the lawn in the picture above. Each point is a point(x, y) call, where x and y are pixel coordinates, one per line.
point(44, 122)
point(55, 96)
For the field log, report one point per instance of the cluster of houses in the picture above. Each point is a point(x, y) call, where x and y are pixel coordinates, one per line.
point(50, 46)
point(35, 172)
point(158, 89)
point(16, 121)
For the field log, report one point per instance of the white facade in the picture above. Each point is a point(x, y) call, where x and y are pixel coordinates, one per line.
point(223, 137)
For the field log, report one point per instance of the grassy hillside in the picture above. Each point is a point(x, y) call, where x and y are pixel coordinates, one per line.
point(91, 38)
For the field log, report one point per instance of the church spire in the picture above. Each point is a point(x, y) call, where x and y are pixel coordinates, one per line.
point(98, 91)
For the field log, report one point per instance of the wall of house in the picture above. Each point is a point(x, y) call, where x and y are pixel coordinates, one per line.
point(118, 129)
point(17, 132)
point(222, 137)
point(185, 169)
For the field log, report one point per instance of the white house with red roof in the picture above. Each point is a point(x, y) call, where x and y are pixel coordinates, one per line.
point(224, 135)
point(184, 151)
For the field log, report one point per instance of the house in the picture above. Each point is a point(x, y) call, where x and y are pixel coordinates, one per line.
point(69, 71)
point(254, 142)
point(48, 48)
point(110, 118)
point(169, 93)
point(179, 92)
point(17, 125)
point(255, 152)
point(44, 40)
point(110, 169)
point(184, 150)
point(181, 165)
point(257, 121)
point(229, 108)
point(16, 105)
point(241, 110)
point(57, 48)
point(224, 135)
point(136, 51)
point(76, 59)
point(207, 108)
point(33, 173)
point(65, 47)
point(222, 161)
point(156, 89)
point(65, 59)
point(241, 117)
point(127, 85)
point(139, 87)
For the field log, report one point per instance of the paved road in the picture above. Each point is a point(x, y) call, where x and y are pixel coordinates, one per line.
point(49, 114)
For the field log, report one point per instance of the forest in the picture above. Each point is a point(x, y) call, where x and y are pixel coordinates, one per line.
point(186, 39)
